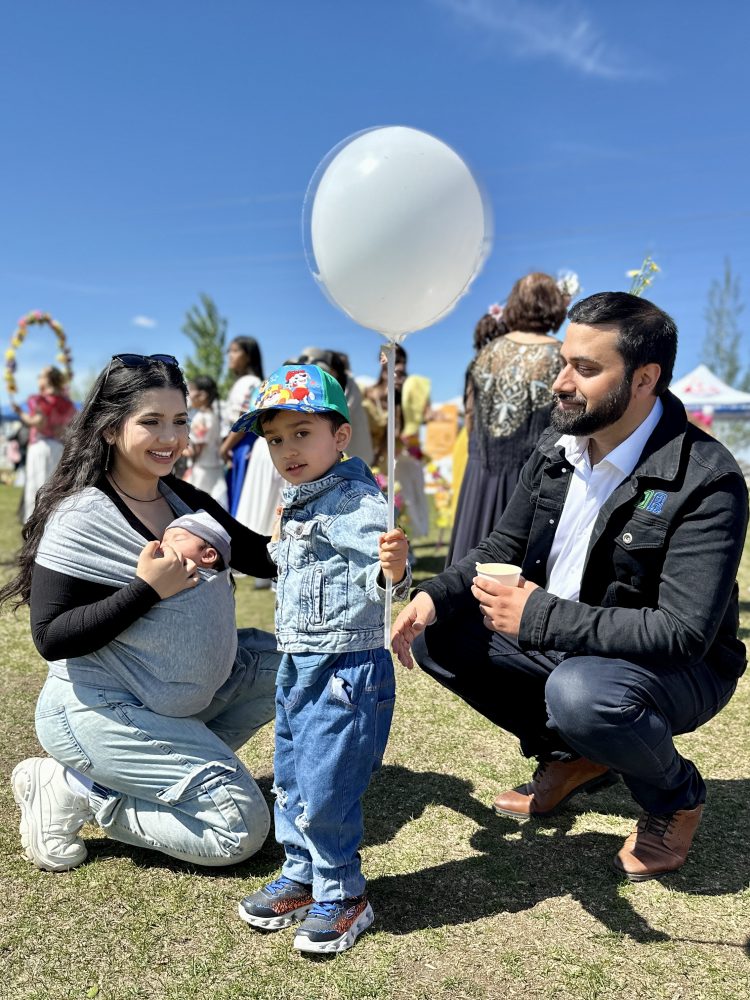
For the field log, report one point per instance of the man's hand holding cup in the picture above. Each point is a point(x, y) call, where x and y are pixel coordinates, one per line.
point(502, 594)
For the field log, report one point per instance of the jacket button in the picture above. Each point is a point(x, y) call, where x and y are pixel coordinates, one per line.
point(552, 520)
point(538, 561)
point(627, 538)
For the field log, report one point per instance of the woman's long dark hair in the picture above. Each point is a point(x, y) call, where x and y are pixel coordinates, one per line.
point(113, 397)
point(251, 350)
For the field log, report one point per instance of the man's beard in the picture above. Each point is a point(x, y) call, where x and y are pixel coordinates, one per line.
point(604, 414)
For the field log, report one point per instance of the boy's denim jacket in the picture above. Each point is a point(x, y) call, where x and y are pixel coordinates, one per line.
point(328, 598)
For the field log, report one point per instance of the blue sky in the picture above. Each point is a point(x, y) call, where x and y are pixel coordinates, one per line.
point(155, 151)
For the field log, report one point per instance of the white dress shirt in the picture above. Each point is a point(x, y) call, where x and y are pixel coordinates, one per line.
point(589, 490)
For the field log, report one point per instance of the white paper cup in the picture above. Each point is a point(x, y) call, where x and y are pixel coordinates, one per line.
point(504, 573)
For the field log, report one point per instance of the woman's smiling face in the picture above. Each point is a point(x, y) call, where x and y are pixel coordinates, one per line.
point(152, 438)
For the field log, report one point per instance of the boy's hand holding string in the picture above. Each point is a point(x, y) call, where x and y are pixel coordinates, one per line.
point(393, 550)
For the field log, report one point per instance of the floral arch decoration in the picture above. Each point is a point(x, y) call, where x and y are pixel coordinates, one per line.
point(63, 356)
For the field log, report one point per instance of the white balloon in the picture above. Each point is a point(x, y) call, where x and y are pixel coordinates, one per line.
point(397, 228)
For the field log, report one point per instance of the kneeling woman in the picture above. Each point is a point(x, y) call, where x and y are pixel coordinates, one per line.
point(151, 688)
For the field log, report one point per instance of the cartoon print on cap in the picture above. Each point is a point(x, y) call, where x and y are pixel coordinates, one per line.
point(300, 383)
point(273, 394)
point(305, 388)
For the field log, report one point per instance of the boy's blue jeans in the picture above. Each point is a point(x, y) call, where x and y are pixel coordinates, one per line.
point(330, 737)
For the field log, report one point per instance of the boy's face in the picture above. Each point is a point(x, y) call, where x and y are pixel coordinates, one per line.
point(190, 546)
point(304, 446)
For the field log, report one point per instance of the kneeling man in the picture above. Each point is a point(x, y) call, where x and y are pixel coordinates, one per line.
point(628, 523)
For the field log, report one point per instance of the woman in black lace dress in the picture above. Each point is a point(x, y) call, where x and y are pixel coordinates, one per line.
point(509, 400)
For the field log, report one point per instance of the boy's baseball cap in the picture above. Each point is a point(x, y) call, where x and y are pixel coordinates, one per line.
point(301, 388)
point(208, 528)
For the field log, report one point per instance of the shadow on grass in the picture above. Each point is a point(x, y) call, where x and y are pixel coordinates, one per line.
point(540, 859)
point(518, 865)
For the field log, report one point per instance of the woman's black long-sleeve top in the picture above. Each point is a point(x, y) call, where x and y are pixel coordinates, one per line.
point(73, 617)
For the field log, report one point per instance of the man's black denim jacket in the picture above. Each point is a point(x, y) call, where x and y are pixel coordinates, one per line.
point(659, 582)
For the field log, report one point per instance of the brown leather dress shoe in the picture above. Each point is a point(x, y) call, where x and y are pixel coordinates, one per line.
point(659, 844)
point(554, 782)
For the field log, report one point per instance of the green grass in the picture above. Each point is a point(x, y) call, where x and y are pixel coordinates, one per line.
point(468, 905)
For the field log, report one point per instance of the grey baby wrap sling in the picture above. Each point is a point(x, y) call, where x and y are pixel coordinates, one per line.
point(176, 656)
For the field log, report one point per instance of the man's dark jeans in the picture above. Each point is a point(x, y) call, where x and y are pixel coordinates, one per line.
point(614, 712)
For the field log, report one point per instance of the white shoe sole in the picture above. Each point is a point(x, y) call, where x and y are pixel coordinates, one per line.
point(343, 943)
point(274, 923)
point(32, 840)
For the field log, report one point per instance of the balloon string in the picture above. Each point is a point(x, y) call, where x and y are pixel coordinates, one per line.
point(391, 355)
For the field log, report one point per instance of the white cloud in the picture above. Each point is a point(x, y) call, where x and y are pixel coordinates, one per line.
point(559, 30)
point(145, 321)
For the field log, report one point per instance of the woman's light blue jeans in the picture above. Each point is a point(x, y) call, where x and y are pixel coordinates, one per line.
point(169, 784)
point(330, 737)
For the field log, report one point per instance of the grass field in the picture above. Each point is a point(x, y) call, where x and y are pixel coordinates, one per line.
point(467, 904)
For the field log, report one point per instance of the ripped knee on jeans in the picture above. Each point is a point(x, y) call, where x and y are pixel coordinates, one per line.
point(280, 794)
point(303, 820)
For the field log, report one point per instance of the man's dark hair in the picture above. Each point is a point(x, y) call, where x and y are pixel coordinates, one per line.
point(646, 334)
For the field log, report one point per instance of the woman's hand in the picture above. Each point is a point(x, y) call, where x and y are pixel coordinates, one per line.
point(393, 550)
point(164, 569)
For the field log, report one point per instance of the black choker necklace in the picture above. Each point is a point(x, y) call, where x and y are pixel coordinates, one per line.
point(137, 499)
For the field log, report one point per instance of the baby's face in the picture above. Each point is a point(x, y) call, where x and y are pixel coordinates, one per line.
point(191, 546)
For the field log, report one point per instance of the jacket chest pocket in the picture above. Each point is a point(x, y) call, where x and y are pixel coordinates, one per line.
point(296, 548)
point(639, 551)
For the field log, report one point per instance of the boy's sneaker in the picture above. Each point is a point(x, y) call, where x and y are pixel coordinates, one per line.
point(334, 926)
point(278, 904)
point(51, 814)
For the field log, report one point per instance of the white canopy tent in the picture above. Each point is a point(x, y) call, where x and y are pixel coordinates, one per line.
point(704, 391)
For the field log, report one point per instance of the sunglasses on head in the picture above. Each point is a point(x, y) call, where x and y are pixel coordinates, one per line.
point(141, 361)
point(144, 360)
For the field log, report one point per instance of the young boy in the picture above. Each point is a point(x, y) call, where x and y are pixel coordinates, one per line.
point(335, 687)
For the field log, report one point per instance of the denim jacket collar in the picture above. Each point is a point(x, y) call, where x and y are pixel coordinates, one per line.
point(303, 493)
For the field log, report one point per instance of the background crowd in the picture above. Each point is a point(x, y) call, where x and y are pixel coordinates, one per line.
point(506, 403)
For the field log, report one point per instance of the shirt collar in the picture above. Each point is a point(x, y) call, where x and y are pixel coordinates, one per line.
point(625, 456)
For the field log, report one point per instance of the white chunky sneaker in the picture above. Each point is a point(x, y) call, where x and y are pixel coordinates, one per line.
point(51, 814)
